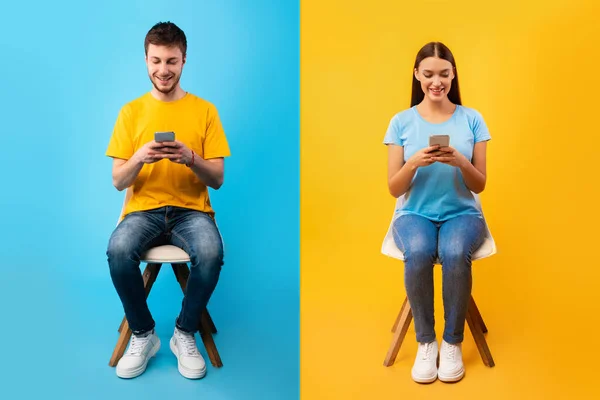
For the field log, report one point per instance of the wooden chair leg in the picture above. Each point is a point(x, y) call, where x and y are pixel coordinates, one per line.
point(149, 276)
point(477, 315)
point(404, 320)
point(182, 273)
point(209, 343)
point(395, 326)
point(477, 332)
point(206, 326)
point(213, 328)
point(121, 345)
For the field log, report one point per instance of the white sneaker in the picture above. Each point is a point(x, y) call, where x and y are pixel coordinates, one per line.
point(190, 362)
point(141, 349)
point(451, 363)
point(425, 368)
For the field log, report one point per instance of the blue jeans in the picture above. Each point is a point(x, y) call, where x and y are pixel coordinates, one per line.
point(453, 241)
point(193, 231)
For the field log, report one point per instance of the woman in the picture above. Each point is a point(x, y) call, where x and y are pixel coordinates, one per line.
point(439, 218)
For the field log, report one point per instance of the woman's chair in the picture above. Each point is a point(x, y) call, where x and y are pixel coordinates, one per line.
point(404, 318)
point(154, 258)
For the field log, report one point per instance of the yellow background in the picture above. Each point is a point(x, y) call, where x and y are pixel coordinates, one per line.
point(533, 71)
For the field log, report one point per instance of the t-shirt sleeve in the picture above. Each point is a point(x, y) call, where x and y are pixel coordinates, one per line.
point(215, 142)
point(121, 143)
point(393, 134)
point(480, 129)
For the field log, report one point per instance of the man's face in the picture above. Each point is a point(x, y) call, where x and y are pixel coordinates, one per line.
point(165, 64)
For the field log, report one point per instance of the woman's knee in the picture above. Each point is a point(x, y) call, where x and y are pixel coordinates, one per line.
point(456, 261)
point(416, 238)
point(420, 250)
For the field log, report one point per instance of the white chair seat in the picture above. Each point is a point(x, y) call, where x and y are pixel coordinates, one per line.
point(165, 254)
point(389, 248)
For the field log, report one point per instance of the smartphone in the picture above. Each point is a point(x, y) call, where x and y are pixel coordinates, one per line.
point(442, 140)
point(164, 136)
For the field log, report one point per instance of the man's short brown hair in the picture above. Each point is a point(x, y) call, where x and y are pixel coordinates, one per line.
point(166, 34)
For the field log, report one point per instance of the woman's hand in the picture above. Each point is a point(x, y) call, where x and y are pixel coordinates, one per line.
point(424, 157)
point(450, 156)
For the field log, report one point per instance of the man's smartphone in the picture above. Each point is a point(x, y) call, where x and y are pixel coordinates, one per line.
point(164, 136)
point(442, 140)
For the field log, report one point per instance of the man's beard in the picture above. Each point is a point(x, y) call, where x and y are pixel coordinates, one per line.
point(166, 90)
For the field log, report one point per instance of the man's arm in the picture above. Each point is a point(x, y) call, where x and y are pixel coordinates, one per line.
point(124, 172)
point(211, 171)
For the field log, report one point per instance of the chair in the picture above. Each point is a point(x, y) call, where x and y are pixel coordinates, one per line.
point(474, 319)
point(154, 258)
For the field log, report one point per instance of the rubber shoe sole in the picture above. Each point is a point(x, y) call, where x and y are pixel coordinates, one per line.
point(186, 372)
point(132, 373)
point(426, 379)
point(452, 378)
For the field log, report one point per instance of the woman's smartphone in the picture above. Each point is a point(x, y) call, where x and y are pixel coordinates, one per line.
point(164, 136)
point(442, 140)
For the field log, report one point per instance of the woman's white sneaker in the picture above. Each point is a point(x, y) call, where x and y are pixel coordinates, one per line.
point(425, 368)
point(141, 349)
point(451, 363)
point(190, 362)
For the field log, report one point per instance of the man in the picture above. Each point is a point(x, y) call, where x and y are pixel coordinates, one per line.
point(170, 202)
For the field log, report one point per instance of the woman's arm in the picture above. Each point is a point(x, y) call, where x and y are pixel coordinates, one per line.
point(401, 174)
point(474, 172)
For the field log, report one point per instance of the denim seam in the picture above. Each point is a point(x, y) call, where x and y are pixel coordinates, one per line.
point(395, 233)
point(186, 249)
point(185, 243)
point(146, 243)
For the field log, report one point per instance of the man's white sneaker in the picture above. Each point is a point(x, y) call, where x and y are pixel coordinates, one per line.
point(451, 363)
point(190, 362)
point(425, 368)
point(141, 349)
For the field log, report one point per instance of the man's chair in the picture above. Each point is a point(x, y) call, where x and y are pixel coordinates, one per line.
point(154, 258)
point(474, 319)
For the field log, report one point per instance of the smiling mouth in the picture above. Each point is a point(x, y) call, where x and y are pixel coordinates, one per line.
point(437, 92)
point(163, 80)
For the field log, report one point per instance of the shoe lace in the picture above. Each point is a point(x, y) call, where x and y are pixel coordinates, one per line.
point(137, 345)
point(188, 342)
point(426, 351)
point(450, 351)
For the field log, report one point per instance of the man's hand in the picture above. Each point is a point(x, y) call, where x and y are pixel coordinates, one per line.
point(150, 153)
point(125, 171)
point(177, 152)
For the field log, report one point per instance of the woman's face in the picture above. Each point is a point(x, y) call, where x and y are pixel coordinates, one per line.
point(435, 75)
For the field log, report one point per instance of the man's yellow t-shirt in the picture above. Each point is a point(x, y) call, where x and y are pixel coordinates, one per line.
point(195, 122)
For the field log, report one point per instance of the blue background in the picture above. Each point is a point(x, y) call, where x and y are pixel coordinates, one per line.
point(67, 68)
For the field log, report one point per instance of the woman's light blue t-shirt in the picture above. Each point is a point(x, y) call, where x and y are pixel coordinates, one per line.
point(438, 191)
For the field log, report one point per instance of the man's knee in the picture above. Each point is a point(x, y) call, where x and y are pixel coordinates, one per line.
point(207, 255)
point(210, 254)
point(120, 251)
